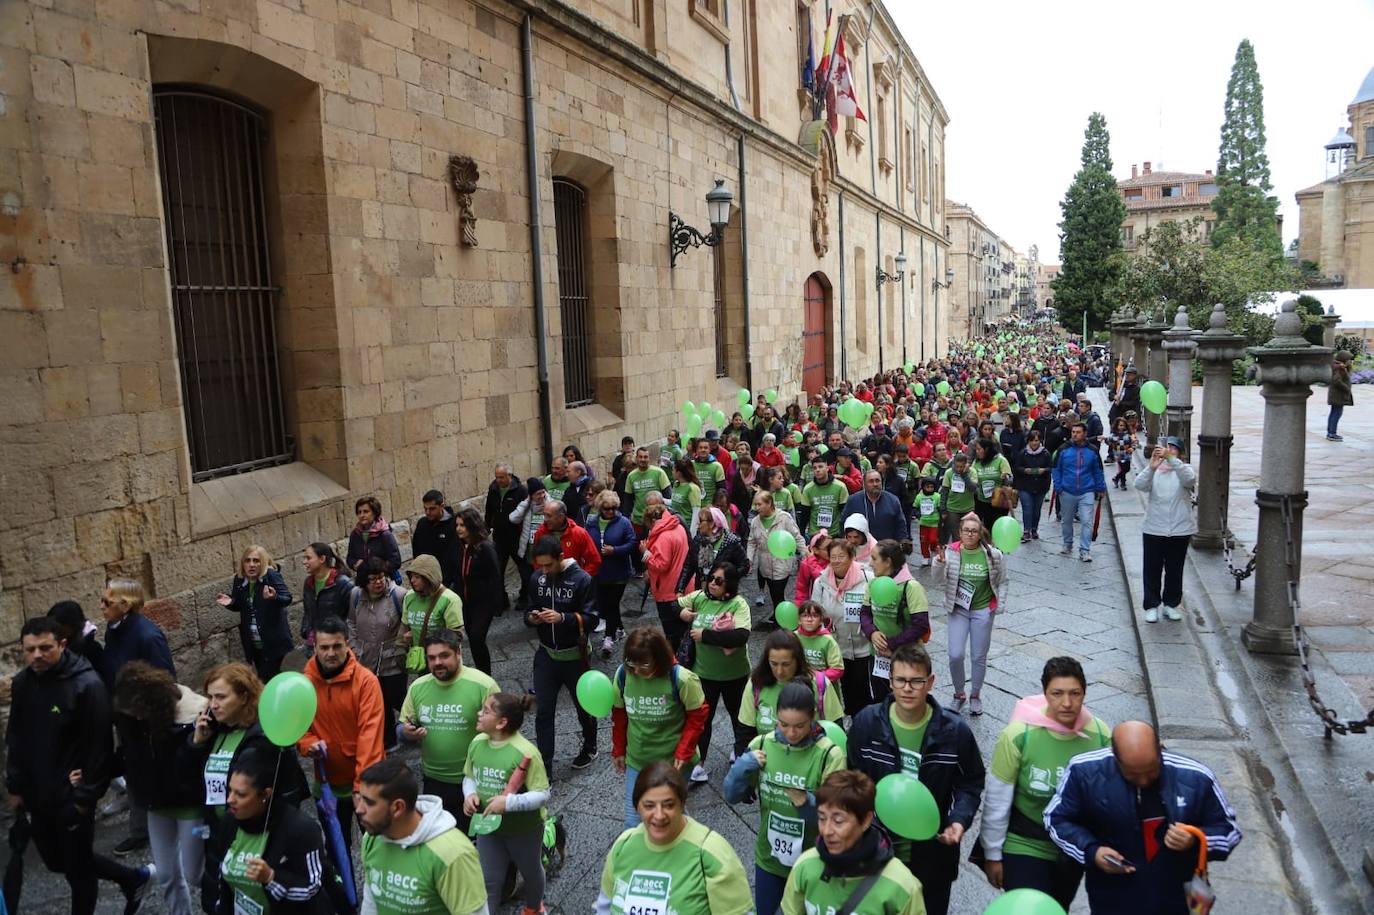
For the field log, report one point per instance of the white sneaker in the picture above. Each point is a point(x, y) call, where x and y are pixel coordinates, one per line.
point(1152, 615)
point(1066, 551)
point(607, 646)
point(758, 602)
point(699, 775)
point(925, 563)
point(600, 626)
point(1171, 613)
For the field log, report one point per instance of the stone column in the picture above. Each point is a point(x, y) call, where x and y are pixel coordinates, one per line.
point(1140, 345)
point(1218, 349)
point(1329, 322)
point(1151, 331)
point(1286, 368)
point(1120, 324)
point(1179, 343)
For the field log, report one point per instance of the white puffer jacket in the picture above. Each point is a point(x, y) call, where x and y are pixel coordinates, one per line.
point(1168, 498)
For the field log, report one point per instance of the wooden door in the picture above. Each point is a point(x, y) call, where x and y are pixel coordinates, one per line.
point(815, 335)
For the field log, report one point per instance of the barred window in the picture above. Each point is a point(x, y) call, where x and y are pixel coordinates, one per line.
point(569, 216)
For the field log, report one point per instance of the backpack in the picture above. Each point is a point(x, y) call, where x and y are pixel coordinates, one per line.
point(620, 681)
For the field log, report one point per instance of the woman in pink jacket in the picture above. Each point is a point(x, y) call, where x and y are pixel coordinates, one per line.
point(813, 566)
point(665, 552)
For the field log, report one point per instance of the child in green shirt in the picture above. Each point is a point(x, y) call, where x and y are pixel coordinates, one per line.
point(928, 505)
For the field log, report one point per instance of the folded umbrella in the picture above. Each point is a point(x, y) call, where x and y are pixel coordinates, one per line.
point(14, 871)
point(328, 808)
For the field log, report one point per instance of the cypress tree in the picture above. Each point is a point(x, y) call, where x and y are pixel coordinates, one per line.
point(1244, 208)
point(1090, 243)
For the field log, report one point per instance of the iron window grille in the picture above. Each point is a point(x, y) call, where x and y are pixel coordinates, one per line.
point(569, 216)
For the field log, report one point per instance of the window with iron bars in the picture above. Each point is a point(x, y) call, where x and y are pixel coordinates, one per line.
point(210, 158)
point(570, 220)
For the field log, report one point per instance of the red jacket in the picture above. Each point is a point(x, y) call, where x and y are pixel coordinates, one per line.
point(577, 544)
point(349, 717)
point(853, 481)
point(807, 573)
point(770, 457)
point(665, 553)
point(726, 461)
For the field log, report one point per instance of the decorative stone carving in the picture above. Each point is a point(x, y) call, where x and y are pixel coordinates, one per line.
point(816, 138)
point(463, 175)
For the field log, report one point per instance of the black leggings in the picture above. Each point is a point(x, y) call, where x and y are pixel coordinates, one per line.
point(608, 597)
point(777, 592)
point(477, 622)
point(857, 686)
point(730, 692)
point(393, 697)
point(670, 616)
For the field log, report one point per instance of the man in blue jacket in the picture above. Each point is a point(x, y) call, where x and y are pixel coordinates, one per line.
point(563, 613)
point(909, 732)
point(1078, 484)
point(884, 512)
point(1120, 812)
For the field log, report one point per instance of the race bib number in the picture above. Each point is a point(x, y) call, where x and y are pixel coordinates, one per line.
point(853, 601)
point(217, 779)
point(824, 516)
point(785, 835)
point(911, 762)
point(882, 667)
point(648, 893)
point(245, 906)
point(963, 598)
point(987, 488)
point(927, 506)
point(956, 484)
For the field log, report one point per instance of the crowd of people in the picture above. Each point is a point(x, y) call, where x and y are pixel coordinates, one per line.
point(854, 533)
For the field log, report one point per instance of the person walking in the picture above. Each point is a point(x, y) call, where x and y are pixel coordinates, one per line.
point(1079, 483)
point(1127, 814)
point(613, 537)
point(665, 553)
point(885, 513)
point(1338, 394)
point(892, 623)
point(840, 591)
point(374, 633)
point(772, 571)
point(714, 543)
point(427, 606)
point(372, 536)
point(991, 470)
point(785, 660)
point(853, 865)
point(504, 494)
point(657, 714)
point(479, 584)
point(718, 621)
point(154, 717)
point(58, 749)
point(436, 534)
point(325, 592)
point(975, 581)
point(1169, 526)
point(259, 596)
point(528, 516)
point(1047, 730)
point(1031, 467)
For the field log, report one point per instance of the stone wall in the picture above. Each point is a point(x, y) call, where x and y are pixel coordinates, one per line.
point(408, 360)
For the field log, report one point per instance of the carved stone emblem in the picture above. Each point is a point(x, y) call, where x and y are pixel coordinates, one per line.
point(463, 175)
point(816, 138)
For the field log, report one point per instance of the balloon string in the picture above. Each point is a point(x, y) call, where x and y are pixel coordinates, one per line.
point(273, 796)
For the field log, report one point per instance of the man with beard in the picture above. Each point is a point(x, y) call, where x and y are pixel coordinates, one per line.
point(436, 534)
point(440, 714)
point(349, 714)
point(414, 857)
point(558, 480)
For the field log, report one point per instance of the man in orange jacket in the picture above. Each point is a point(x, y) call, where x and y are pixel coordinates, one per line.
point(349, 715)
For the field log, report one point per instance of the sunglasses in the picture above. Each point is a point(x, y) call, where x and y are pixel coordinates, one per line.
point(717, 580)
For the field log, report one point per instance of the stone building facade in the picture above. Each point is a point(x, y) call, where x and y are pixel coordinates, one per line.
point(984, 272)
point(266, 257)
point(1153, 197)
point(1336, 217)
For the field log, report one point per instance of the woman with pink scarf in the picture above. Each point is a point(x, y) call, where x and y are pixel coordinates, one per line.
point(840, 591)
point(1046, 731)
point(373, 537)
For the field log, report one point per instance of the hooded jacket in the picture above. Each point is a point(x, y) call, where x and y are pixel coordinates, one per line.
point(808, 571)
point(857, 522)
point(349, 717)
point(457, 883)
point(951, 768)
point(830, 595)
point(577, 544)
point(59, 721)
point(761, 558)
point(445, 607)
point(665, 553)
point(373, 628)
point(1078, 470)
point(440, 540)
point(620, 536)
point(378, 540)
point(134, 638)
point(1168, 498)
point(295, 852)
point(152, 760)
point(496, 513)
point(572, 594)
point(886, 517)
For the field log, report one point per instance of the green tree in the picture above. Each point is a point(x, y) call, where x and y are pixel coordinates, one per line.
point(1243, 204)
point(1090, 240)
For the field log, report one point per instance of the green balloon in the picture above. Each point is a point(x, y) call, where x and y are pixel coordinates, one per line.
point(821, 449)
point(704, 409)
point(782, 544)
point(694, 425)
point(919, 389)
point(286, 708)
point(1154, 396)
point(906, 807)
point(744, 396)
point(594, 693)
point(909, 367)
point(883, 591)
point(1006, 534)
point(770, 395)
point(688, 408)
point(718, 419)
point(1024, 901)
point(1039, 366)
point(786, 615)
point(943, 387)
point(836, 734)
point(747, 411)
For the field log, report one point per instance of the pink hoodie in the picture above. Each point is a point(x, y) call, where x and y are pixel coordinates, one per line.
point(807, 573)
point(665, 554)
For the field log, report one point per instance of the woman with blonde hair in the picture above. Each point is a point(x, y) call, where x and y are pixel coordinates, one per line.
point(259, 596)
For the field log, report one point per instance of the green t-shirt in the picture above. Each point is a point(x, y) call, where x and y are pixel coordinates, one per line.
point(711, 475)
point(928, 505)
point(989, 475)
point(759, 710)
point(437, 877)
point(783, 832)
point(673, 451)
point(891, 618)
point(250, 896)
point(490, 765)
point(448, 713)
point(1034, 760)
point(685, 499)
point(810, 892)
point(654, 719)
point(222, 749)
point(906, 473)
point(822, 651)
point(447, 613)
point(785, 499)
point(826, 503)
point(713, 662)
point(932, 469)
point(909, 739)
point(698, 873)
point(973, 573)
point(641, 483)
point(554, 488)
point(961, 494)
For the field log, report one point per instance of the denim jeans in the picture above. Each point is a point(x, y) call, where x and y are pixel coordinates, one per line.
point(1333, 419)
point(631, 815)
point(1081, 505)
point(768, 888)
point(1031, 503)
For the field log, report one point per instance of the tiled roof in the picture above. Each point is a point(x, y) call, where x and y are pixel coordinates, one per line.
point(1163, 178)
point(1171, 203)
point(1317, 188)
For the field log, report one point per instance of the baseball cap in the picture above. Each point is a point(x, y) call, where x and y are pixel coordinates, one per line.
point(1174, 441)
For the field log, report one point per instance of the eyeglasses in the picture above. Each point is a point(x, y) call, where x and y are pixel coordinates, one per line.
point(639, 665)
point(909, 682)
point(717, 580)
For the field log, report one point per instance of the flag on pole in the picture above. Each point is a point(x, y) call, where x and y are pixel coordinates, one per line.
point(846, 103)
point(823, 69)
point(809, 70)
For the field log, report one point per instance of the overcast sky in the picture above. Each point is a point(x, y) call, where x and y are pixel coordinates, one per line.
point(1019, 82)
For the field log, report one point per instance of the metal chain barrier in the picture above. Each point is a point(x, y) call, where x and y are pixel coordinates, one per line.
point(1228, 540)
point(1330, 722)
